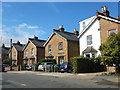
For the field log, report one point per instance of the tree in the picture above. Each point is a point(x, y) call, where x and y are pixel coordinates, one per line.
point(6, 60)
point(110, 50)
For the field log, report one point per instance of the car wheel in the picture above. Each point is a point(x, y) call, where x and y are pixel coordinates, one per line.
point(69, 71)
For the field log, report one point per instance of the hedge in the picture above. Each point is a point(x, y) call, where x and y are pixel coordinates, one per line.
point(85, 64)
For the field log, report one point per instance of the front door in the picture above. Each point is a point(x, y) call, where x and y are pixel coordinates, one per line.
point(60, 59)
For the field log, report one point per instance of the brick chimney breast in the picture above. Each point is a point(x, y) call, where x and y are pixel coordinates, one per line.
point(18, 43)
point(61, 29)
point(105, 11)
point(118, 17)
point(35, 37)
point(76, 32)
point(3, 45)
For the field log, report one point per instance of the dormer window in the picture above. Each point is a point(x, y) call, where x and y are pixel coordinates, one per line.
point(89, 39)
point(111, 31)
point(32, 51)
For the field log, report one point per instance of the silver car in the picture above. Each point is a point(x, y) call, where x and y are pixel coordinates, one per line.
point(45, 66)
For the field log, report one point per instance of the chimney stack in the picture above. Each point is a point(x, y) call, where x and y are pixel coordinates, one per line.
point(76, 32)
point(105, 11)
point(3, 45)
point(18, 43)
point(118, 17)
point(35, 37)
point(61, 29)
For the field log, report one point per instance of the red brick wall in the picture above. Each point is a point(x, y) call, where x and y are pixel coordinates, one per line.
point(105, 26)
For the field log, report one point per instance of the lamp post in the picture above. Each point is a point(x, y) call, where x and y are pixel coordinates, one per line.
point(11, 54)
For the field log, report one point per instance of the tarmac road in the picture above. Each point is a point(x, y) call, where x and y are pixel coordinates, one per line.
point(47, 80)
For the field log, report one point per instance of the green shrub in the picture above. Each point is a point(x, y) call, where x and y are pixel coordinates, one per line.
point(85, 64)
point(14, 65)
point(47, 60)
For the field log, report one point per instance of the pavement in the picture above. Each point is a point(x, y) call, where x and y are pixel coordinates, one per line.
point(85, 76)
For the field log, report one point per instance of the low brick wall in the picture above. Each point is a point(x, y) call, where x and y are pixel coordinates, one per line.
point(13, 68)
point(111, 69)
point(7, 68)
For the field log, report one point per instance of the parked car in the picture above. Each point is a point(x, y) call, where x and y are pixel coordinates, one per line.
point(47, 65)
point(66, 67)
point(57, 67)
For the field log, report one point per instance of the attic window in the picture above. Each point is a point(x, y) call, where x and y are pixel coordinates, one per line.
point(83, 25)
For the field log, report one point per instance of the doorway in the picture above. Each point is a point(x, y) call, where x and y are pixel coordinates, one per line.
point(60, 59)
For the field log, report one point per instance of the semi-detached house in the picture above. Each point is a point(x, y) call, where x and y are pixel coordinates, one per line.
point(95, 30)
point(62, 45)
point(33, 51)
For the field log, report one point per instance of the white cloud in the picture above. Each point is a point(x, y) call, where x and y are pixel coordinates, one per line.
point(32, 27)
point(20, 32)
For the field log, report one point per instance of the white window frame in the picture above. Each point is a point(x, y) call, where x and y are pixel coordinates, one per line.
point(88, 40)
point(32, 51)
point(111, 31)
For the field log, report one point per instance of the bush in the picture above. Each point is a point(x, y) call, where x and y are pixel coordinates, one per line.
point(47, 60)
point(14, 65)
point(36, 66)
point(85, 64)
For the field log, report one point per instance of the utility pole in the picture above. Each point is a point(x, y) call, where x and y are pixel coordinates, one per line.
point(11, 54)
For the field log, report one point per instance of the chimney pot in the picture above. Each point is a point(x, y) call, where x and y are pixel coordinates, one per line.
point(76, 32)
point(61, 29)
point(35, 37)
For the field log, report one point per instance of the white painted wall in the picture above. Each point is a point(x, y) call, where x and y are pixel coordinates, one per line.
point(92, 30)
point(87, 21)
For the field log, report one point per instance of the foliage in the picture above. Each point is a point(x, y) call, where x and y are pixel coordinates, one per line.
point(6, 61)
point(110, 50)
point(47, 60)
point(85, 64)
point(110, 74)
point(14, 65)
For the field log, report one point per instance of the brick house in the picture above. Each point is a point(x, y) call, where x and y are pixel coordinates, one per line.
point(4, 52)
point(108, 24)
point(33, 51)
point(16, 52)
point(62, 45)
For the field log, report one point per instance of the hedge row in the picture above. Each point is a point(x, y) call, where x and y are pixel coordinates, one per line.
point(84, 64)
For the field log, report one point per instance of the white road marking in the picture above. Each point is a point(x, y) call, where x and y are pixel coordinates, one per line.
point(48, 75)
point(14, 82)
